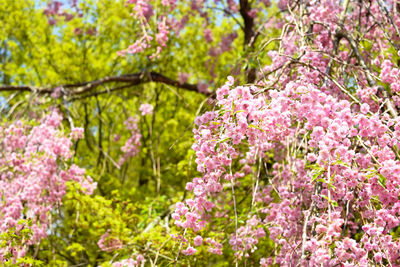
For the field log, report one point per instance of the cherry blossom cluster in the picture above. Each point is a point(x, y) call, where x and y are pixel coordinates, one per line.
point(146, 109)
point(212, 245)
point(131, 262)
point(109, 243)
point(143, 11)
point(35, 167)
point(55, 13)
point(223, 46)
point(131, 147)
point(247, 237)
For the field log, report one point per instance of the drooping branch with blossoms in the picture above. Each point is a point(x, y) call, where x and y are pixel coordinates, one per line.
point(35, 170)
point(322, 120)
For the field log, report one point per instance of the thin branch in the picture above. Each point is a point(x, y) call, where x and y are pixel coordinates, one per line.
point(236, 216)
point(227, 12)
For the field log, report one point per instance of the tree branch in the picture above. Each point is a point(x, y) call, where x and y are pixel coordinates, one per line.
point(82, 88)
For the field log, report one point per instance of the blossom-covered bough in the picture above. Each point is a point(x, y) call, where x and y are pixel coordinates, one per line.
point(35, 169)
point(319, 135)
